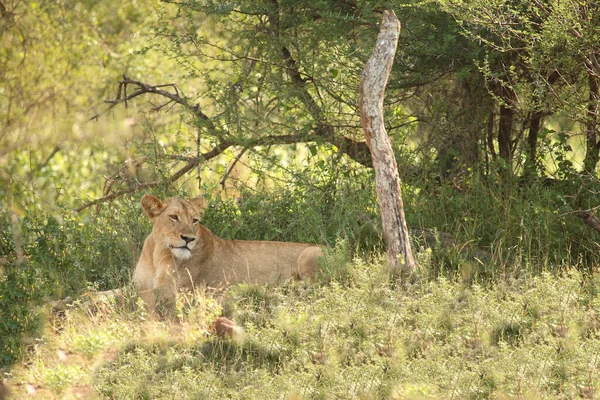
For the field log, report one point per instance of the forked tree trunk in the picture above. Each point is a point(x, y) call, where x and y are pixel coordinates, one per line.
point(387, 181)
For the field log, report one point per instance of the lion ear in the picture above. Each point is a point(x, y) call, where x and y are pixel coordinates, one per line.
point(199, 203)
point(152, 205)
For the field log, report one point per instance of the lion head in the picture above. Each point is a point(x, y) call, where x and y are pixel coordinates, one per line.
point(175, 223)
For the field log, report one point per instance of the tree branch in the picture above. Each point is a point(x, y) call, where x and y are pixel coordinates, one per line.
point(323, 131)
point(230, 168)
point(358, 151)
point(144, 88)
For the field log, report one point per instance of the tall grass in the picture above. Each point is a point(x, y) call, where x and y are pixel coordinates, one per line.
point(62, 255)
point(526, 228)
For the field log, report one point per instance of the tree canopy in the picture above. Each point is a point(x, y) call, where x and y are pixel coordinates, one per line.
point(208, 84)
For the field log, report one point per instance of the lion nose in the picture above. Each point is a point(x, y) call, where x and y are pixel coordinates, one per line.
point(188, 239)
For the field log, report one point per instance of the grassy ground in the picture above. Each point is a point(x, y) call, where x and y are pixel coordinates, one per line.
point(348, 335)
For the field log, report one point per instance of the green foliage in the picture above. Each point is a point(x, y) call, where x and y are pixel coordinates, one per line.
point(522, 227)
point(253, 71)
point(58, 61)
point(508, 332)
point(319, 213)
point(535, 61)
point(20, 290)
point(333, 265)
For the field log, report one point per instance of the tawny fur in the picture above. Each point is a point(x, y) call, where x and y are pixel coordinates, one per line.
point(181, 254)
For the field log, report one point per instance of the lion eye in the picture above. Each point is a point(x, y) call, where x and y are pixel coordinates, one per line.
point(174, 217)
point(195, 221)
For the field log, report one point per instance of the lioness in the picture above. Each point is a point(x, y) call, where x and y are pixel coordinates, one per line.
point(180, 253)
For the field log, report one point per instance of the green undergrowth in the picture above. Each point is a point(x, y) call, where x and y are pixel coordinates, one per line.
point(345, 335)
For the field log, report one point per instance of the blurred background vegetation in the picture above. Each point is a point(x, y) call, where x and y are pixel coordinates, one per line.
point(492, 108)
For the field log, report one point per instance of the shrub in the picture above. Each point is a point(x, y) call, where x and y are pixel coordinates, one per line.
point(60, 257)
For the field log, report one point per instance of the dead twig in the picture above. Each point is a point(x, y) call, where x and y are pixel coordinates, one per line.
point(231, 166)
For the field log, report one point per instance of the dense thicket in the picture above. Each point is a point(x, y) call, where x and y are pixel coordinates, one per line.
point(492, 107)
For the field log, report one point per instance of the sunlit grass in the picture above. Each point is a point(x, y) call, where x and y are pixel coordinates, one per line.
point(355, 337)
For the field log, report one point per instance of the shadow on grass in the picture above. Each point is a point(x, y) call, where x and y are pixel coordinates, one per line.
point(221, 354)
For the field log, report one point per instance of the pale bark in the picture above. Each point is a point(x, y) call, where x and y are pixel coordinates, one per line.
point(387, 180)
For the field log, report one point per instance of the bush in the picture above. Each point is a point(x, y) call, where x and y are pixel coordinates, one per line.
point(60, 257)
point(313, 214)
point(19, 291)
point(527, 228)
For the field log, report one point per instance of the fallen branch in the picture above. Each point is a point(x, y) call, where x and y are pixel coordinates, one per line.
point(589, 218)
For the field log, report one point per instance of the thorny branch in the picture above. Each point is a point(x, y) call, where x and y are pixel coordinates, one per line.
point(144, 88)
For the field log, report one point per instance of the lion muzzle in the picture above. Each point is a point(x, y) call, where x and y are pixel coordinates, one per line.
point(183, 252)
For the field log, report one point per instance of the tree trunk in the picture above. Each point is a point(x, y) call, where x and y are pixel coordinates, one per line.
point(534, 130)
point(505, 132)
point(591, 153)
point(535, 123)
point(590, 219)
point(387, 180)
